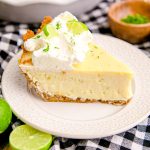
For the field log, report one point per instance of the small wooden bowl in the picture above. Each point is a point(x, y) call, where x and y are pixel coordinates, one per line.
point(129, 32)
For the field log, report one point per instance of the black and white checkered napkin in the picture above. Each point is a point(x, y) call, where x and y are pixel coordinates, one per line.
point(136, 138)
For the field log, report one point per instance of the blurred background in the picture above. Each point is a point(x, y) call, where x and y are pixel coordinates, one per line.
point(28, 11)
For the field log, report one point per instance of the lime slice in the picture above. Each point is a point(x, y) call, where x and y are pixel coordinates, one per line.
point(76, 27)
point(5, 115)
point(50, 31)
point(25, 137)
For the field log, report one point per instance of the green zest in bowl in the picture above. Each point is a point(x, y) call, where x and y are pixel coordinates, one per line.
point(136, 19)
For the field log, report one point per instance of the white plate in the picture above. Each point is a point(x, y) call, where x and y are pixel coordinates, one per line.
point(28, 2)
point(82, 121)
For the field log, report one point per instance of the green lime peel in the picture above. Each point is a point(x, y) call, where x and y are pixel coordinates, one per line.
point(136, 19)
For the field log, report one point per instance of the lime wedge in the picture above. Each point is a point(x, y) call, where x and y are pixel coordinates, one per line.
point(5, 115)
point(76, 27)
point(25, 137)
point(50, 31)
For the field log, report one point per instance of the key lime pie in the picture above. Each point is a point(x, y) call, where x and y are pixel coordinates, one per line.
point(62, 63)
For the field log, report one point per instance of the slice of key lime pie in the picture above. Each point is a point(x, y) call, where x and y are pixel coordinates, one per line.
point(63, 64)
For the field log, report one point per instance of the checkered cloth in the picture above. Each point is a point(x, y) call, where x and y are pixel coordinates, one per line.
point(137, 138)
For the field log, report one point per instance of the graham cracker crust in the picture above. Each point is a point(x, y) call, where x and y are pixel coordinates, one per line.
point(33, 88)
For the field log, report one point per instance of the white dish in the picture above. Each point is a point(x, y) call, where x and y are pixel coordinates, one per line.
point(28, 2)
point(82, 121)
point(29, 11)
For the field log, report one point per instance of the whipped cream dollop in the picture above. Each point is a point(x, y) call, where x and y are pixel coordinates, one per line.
point(60, 44)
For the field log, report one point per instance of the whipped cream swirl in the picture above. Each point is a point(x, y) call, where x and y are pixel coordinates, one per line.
point(62, 43)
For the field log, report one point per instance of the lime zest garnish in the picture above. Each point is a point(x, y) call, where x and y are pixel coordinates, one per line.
point(37, 37)
point(56, 47)
point(47, 48)
point(72, 41)
point(136, 19)
point(95, 46)
point(50, 31)
point(58, 25)
point(76, 27)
